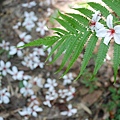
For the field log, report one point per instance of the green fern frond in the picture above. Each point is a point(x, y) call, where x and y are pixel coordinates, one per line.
point(116, 59)
point(69, 50)
point(61, 31)
point(85, 12)
point(71, 21)
point(114, 5)
point(48, 41)
point(78, 49)
point(88, 53)
point(84, 21)
point(100, 57)
point(62, 48)
point(56, 46)
point(66, 25)
point(97, 7)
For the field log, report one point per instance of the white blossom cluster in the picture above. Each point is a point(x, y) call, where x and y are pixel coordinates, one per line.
point(32, 59)
point(103, 32)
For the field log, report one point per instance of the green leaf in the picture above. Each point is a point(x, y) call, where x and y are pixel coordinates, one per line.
point(114, 5)
point(56, 46)
point(116, 59)
point(48, 41)
point(78, 49)
point(69, 50)
point(84, 21)
point(62, 48)
point(84, 11)
point(97, 7)
point(63, 32)
point(88, 53)
point(71, 21)
point(100, 57)
point(66, 25)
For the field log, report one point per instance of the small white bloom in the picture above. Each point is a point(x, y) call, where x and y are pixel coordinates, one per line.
point(27, 89)
point(39, 51)
point(14, 50)
point(28, 63)
point(17, 25)
point(63, 93)
point(71, 93)
point(4, 67)
point(33, 101)
point(42, 28)
point(71, 111)
point(4, 45)
point(26, 112)
point(4, 96)
point(36, 109)
point(29, 4)
point(38, 81)
point(50, 84)
point(94, 24)
point(16, 75)
point(28, 24)
point(52, 94)
point(67, 79)
point(112, 32)
point(47, 101)
point(25, 38)
point(30, 16)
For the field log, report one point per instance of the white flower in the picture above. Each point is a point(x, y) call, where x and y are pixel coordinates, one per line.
point(17, 25)
point(50, 84)
point(4, 67)
point(4, 45)
point(33, 101)
point(25, 38)
point(29, 4)
point(28, 24)
point(38, 81)
point(26, 111)
point(16, 75)
point(28, 63)
point(47, 101)
point(52, 94)
point(67, 79)
point(36, 109)
point(27, 89)
point(15, 50)
point(41, 28)
point(30, 16)
point(1, 118)
point(94, 24)
point(112, 32)
point(71, 93)
point(39, 51)
point(63, 93)
point(26, 77)
point(4, 96)
point(71, 111)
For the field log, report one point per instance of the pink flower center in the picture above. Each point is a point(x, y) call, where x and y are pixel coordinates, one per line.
point(112, 31)
point(92, 23)
point(4, 68)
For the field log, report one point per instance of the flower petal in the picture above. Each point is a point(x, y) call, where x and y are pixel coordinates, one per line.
point(107, 39)
point(109, 21)
point(101, 32)
point(117, 29)
point(117, 38)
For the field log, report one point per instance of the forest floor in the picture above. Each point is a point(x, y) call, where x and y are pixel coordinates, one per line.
point(91, 100)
